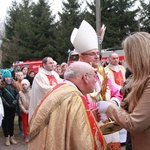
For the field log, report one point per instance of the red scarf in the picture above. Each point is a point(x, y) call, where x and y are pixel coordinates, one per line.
point(52, 80)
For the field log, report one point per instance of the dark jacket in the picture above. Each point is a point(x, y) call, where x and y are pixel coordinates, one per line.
point(8, 100)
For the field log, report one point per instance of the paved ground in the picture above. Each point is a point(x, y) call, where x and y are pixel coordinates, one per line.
point(21, 144)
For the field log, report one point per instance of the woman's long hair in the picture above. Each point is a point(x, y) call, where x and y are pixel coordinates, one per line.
point(137, 56)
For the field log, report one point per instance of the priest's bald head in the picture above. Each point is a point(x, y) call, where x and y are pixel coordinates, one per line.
point(82, 75)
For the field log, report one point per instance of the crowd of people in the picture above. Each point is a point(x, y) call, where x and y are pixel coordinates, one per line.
point(73, 107)
point(15, 88)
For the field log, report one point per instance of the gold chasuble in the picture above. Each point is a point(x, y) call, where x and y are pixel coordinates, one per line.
point(63, 121)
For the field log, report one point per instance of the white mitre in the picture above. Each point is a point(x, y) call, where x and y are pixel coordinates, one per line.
point(84, 38)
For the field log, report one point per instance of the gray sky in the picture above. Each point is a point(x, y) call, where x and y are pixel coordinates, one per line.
point(56, 6)
point(4, 6)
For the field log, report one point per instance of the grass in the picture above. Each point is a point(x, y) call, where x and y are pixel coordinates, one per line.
point(19, 138)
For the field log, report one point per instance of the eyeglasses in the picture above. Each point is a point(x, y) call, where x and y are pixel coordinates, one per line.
point(92, 54)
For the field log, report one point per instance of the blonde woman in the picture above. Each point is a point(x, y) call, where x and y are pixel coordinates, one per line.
point(136, 119)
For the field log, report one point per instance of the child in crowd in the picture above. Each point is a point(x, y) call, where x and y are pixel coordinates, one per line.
point(24, 100)
point(9, 96)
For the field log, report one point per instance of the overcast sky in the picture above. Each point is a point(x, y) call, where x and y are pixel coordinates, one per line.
point(56, 6)
point(4, 6)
